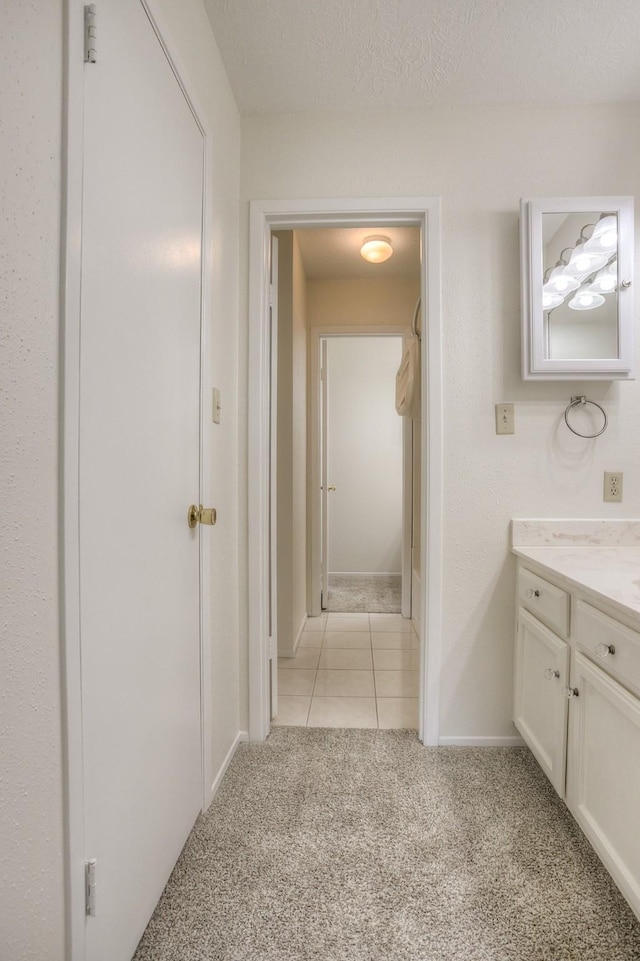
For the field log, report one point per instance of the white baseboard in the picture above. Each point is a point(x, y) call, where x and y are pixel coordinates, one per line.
point(365, 573)
point(510, 741)
point(240, 736)
point(292, 652)
point(416, 602)
point(296, 643)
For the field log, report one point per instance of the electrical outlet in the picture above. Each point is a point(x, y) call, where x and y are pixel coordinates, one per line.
point(613, 485)
point(504, 419)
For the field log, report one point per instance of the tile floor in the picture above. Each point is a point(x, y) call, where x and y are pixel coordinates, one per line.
point(351, 670)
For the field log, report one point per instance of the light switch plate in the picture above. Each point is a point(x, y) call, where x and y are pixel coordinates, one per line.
point(216, 405)
point(505, 420)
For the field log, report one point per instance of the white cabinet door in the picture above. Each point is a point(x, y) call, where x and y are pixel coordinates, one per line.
point(603, 777)
point(540, 706)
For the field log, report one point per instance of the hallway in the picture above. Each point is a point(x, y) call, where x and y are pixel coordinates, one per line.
point(351, 670)
point(346, 845)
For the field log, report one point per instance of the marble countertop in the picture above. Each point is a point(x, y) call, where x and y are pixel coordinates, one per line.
point(610, 574)
point(601, 559)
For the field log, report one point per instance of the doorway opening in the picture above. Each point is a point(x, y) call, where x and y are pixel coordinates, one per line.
point(347, 657)
point(268, 218)
point(361, 471)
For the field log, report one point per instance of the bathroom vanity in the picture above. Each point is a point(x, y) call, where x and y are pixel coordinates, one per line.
point(577, 676)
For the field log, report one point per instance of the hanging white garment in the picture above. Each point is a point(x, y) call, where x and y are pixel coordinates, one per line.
point(408, 379)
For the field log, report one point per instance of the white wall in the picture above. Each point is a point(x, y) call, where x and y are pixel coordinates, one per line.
point(31, 802)
point(31, 825)
point(364, 455)
point(480, 161)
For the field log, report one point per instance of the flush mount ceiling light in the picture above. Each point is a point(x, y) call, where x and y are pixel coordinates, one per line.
point(376, 249)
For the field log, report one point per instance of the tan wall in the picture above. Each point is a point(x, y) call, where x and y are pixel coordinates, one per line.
point(299, 374)
point(291, 442)
point(361, 302)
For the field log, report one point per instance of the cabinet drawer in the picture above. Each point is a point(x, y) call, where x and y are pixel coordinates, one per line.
point(545, 600)
point(615, 648)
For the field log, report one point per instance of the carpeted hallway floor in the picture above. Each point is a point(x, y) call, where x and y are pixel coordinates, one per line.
point(381, 594)
point(359, 845)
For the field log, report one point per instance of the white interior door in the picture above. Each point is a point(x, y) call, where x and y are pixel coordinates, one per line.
point(139, 471)
point(324, 491)
point(364, 455)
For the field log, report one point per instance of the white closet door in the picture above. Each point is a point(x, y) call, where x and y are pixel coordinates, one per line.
point(139, 471)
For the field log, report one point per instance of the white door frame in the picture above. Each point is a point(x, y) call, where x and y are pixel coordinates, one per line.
point(69, 564)
point(319, 420)
point(273, 481)
point(316, 334)
point(268, 215)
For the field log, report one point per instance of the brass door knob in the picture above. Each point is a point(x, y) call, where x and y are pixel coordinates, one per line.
point(332, 487)
point(201, 515)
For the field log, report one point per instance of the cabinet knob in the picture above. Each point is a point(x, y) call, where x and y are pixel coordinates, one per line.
point(571, 692)
point(604, 650)
point(550, 674)
point(532, 593)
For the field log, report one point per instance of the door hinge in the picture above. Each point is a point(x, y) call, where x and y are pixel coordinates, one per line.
point(271, 295)
point(90, 887)
point(90, 33)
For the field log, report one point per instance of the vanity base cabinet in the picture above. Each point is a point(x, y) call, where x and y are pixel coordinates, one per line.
point(577, 709)
point(603, 774)
point(540, 705)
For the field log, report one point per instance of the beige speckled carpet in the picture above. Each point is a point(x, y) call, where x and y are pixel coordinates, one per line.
point(345, 845)
point(358, 593)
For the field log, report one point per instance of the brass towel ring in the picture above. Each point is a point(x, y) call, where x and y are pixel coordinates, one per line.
point(580, 402)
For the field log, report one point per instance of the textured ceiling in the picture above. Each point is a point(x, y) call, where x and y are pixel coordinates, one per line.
point(334, 253)
point(286, 55)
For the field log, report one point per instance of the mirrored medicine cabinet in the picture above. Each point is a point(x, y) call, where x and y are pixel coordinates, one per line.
point(577, 295)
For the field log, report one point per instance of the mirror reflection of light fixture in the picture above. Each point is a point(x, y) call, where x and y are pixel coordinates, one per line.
point(584, 261)
point(376, 249)
point(586, 300)
point(606, 280)
point(559, 282)
point(551, 299)
point(604, 238)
